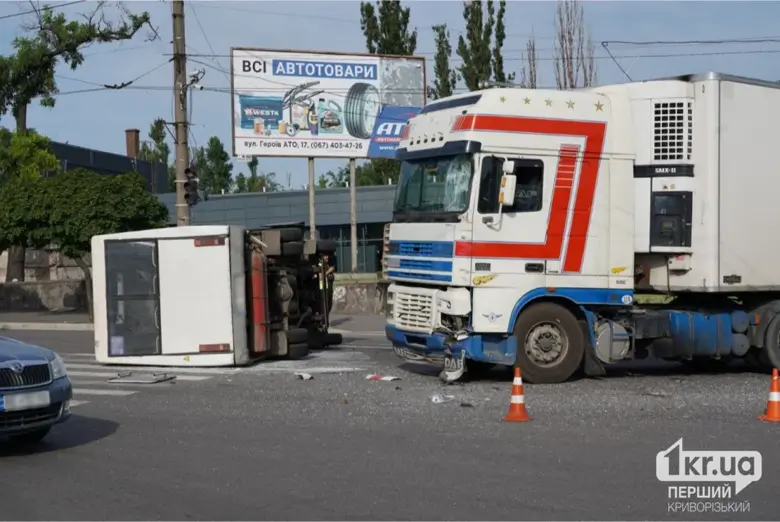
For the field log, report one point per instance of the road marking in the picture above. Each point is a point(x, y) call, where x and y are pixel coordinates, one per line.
point(99, 391)
point(73, 404)
point(148, 369)
point(368, 346)
point(307, 369)
point(113, 375)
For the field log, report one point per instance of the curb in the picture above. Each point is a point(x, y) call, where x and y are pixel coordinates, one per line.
point(88, 327)
point(49, 327)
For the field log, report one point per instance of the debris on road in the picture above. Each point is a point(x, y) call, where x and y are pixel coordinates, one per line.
point(438, 398)
point(377, 377)
point(154, 378)
point(304, 376)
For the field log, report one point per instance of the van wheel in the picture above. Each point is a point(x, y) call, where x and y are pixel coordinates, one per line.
point(550, 344)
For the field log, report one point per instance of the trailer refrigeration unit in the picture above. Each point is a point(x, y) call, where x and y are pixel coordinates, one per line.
point(208, 296)
point(526, 220)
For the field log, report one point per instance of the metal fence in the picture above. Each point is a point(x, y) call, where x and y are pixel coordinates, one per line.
point(369, 246)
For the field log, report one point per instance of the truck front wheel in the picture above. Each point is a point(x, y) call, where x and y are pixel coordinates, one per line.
point(550, 343)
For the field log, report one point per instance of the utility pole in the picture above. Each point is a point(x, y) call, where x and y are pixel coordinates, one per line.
point(180, 88)
point(353, 215)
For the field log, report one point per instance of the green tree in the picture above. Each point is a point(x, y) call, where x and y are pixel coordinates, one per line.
point(239, 186)
point(445, 77)
point(82, 204)
point(23, 157)
point(261, 182)
point(481, 54)
point(386, 28)
point(573, 52)
point(28, 73)
point(157, 150)
point(24, 213)
point(216, 172)
point(323, 181)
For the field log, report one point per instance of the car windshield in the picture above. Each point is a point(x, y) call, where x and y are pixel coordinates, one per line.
point(439, 184)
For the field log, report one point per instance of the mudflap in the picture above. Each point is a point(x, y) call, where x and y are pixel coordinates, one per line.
point(454, 367)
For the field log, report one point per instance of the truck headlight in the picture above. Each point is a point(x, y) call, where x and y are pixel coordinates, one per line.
point(58, 369)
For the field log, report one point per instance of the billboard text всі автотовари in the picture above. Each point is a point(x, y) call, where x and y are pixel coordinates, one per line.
point(303, 104)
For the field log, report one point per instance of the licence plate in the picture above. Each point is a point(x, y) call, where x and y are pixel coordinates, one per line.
point(453, 364)
point(24, 401)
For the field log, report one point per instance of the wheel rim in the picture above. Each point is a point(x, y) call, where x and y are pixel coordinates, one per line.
point(546, 344)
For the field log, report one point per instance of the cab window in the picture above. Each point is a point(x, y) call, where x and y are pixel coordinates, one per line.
point(528, 191)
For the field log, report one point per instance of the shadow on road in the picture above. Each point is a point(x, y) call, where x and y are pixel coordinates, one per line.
point(642, 368)
point(77, 431)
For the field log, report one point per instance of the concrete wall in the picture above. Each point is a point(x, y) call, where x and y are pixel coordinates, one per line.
point(349, 297)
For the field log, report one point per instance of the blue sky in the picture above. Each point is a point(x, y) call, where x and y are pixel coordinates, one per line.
point(98, 119)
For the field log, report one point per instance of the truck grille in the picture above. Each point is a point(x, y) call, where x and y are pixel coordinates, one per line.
point(413, 311)
point(32, 375)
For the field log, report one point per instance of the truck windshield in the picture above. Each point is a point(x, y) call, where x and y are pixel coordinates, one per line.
point(437, 185)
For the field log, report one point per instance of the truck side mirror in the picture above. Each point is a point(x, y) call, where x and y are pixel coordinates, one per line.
point(508, 167)
point(506, 198)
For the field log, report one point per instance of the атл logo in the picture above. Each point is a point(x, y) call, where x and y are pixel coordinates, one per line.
point(737, 469)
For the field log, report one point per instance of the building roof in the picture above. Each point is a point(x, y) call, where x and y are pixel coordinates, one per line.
point(259, 209)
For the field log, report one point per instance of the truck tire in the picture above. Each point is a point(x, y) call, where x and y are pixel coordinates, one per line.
point(771, 350)
point(293, 248)
point(297, 336)
point(333, 339)
point(550, 344)
point(288, 235)
point(326, 245)
point(297, 351)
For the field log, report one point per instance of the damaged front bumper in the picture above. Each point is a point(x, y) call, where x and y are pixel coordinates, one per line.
point(437, 349)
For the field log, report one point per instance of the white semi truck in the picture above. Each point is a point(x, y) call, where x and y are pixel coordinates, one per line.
point(526, 220)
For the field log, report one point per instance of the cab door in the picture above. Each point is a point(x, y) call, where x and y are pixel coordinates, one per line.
point(515, 246)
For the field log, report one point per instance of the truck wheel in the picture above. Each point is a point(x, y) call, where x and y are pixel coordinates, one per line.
point(297, 351)
point(30, 437)
point(771, 350)
point(326, 245)
point(293, 248)
point(290, 234)
point(550, 344)
point(297, 336)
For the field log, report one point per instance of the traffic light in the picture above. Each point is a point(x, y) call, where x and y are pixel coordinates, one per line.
point(191, 187)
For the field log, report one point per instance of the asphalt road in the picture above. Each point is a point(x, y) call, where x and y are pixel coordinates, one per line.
point(260, 444)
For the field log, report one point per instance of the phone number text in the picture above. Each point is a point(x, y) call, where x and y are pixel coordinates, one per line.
point(303, 144)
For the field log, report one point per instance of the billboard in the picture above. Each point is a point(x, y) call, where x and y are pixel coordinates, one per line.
point(314, 104)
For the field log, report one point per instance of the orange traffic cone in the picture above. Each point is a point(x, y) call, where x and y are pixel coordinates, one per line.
point(517, 411)
point(773, 405)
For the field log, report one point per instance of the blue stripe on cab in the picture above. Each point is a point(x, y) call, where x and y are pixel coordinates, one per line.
point(422, 248)
point(423, 264)
point(444, 278)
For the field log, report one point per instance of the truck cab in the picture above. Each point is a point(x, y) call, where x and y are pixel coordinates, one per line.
point(524, 219)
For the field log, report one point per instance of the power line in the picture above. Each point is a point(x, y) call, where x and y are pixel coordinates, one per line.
point(206, 37)
point(340, 20)
point(44, 8)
